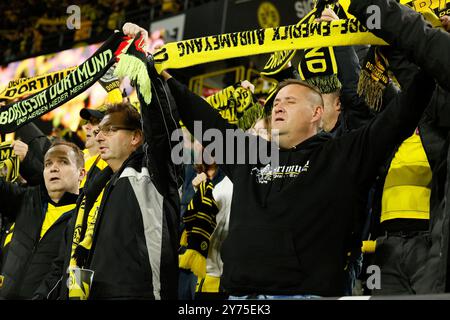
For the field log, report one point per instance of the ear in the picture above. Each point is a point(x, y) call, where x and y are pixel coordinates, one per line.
point(337, 103)
point(137, 138)
point(317, 113)
point(82, 174)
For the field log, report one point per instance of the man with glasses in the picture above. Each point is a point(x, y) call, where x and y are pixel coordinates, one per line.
point(93, 162)
point(119, 134)
point(127, 219)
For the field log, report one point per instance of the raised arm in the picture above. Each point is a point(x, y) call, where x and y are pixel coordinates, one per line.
point(371, 145)
point(31, 149)
point(401, 26)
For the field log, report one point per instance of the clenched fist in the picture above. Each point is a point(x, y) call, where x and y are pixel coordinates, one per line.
point(131, 30)
point(199, 179)
point(20, 149)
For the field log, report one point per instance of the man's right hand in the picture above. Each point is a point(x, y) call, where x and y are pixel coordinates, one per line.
point(327, 15)
point(20, 149)
point(248, 85)
point(199, 179)
point(131, 30)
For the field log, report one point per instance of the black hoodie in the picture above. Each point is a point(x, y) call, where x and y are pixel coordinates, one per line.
point(289, 226)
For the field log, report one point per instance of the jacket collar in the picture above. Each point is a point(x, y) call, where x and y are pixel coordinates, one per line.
point(67, 198)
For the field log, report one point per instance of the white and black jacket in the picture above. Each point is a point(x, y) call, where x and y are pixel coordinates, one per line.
point(135, 242)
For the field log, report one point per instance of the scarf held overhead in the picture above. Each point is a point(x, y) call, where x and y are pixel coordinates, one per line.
point(16, 114)
point(231, 102)
point(193, 52)
point(27, 86)
point(279, 59)
point(246, 43)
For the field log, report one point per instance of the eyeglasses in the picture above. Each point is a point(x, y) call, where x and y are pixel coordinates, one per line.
point(108, 130)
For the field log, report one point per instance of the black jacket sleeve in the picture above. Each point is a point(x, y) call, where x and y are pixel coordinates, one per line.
point(160, 120)
point(370, 146)
point(11, 194)
point(235, 146)
point(32, 166)
point(406, 29)
point(197, 115)
point(354, 111)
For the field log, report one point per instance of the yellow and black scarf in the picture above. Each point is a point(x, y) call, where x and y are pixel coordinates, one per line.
point(9, 162)
point(318, 66)
point(200, 222)
point(236, 104)
point(16, 114)
point(192, 52)
point(28, 86)
point(374, 78)
point(87, 216)
point(85, 223)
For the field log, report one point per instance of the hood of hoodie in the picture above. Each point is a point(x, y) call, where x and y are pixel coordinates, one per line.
point(310, 143)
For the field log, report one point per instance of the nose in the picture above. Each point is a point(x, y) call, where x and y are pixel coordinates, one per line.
point(99, 136)
point(278, 109)
point(54, 167)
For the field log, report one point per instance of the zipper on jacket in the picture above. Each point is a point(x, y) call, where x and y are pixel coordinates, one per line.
point(54, 287)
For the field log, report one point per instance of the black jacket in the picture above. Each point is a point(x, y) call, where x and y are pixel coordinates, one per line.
point(429, 48)
point(32, 166)
point(288, 234)
point(134, 250)
point(29, 258)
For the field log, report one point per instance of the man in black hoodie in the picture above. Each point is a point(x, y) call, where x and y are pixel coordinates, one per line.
point(290, 224)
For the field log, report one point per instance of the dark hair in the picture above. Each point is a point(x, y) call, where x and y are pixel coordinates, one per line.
point(79, 156)
point(131, 117)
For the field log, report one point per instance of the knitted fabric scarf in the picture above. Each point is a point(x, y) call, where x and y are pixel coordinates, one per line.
point(200, 222)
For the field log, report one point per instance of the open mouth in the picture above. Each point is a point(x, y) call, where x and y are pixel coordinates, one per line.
point(54, 179)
